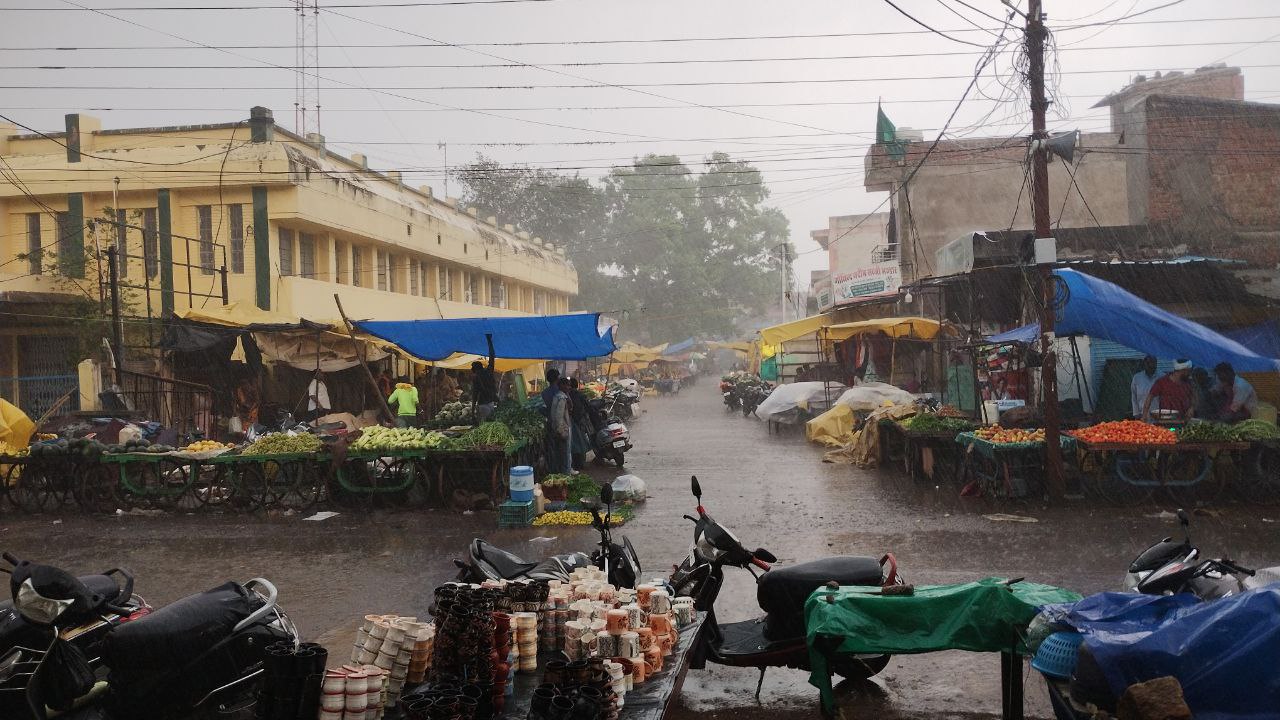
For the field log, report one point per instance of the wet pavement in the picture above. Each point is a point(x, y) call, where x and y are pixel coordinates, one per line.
point(773, 491)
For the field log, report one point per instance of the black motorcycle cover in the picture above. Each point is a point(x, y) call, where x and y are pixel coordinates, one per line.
point(64, 676)
point(179, 652)
point(782, 592)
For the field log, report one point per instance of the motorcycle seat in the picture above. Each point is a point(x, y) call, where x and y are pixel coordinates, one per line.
point(508, 565)
point(782, 592)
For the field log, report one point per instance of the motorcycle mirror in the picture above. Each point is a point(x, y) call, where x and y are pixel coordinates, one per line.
point(697, 489)
point(1183, 518)
point(765, 555)
point(606, 495)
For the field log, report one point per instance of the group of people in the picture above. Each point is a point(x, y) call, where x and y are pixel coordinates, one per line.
point(571, 423)
point(1190, 393)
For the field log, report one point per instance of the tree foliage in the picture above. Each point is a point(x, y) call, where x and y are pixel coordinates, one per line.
point(671, 251)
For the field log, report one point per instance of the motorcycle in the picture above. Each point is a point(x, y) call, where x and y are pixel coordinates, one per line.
point(101, 647)
point(778, 638)
point(618, 403)
point(611, 439)
point(619, 561)
point(732, 401)
point(1169, 567)
point(752, 396)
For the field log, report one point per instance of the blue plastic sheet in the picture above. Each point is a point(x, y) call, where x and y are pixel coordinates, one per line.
point(550, 337)
point(1225, 653)
point(1263, 339)
point(1102, 309)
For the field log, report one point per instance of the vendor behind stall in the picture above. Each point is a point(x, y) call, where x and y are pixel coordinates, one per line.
point(1173, 391)
point(1237, 400)
point(484, 385)
point(405, 398)
point(318, 397)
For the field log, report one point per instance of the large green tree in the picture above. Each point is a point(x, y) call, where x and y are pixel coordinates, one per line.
point(671, 252)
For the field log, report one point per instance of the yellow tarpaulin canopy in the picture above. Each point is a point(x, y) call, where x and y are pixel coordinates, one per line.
point(916, 328)
point(462, 361)
point(742, 348)
point(630, 352)
point(238, 314)
point(15, 427)
point(778, 334)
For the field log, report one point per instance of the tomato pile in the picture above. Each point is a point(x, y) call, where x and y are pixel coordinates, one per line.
point(1127, 432)
point(999, 436)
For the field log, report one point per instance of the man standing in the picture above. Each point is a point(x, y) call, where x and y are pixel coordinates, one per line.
point(561, 429)
point(1140, 387)
point(484, 386)
point(317, 397)
point(549, 392)
point(1172, 392)
point(1238, 398)
point(405, 398)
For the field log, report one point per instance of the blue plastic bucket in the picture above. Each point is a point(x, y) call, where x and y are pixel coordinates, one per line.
point(521, 483)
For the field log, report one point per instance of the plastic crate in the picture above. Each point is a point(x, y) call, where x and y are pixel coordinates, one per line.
point(512, 514)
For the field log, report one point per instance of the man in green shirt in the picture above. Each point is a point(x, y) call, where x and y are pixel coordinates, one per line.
point(405, 398)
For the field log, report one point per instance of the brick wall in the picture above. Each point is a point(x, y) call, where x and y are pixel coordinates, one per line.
point(1213, 163)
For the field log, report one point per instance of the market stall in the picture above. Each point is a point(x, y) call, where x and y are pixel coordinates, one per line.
point(1005, 462)
point(925, 444)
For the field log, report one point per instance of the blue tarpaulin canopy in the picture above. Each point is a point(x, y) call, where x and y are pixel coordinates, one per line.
point(679, 347)
point(551, 337)
point(1101, 309)
point(1263, 339)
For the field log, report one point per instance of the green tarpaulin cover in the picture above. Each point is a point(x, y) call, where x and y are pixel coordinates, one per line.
point(982, 616)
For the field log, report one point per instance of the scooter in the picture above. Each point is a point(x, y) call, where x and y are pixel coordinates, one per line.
point(205, 651)
point(611, 439)
point(620, 562)
point(1170, 567)
point(778, 638)
point(618, 403)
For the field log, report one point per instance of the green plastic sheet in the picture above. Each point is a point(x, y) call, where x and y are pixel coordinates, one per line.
point(988, 615)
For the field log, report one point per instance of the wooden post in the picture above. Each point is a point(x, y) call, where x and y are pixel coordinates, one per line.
point(382, 402)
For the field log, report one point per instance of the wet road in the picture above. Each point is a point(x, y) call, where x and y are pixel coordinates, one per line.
point(772, 491)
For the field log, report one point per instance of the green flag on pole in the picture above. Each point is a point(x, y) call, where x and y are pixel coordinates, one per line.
point(887, 135)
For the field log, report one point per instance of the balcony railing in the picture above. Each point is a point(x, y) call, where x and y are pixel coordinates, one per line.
point(884, 253)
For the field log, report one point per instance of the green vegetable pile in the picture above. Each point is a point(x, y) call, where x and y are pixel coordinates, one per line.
point(488, 436)
point(524, 422)
point(384, 438)
point(454, 413)
point(582, 486)
point(929, 422)
point(284, 443)
point(1251, 430)
point(1206, 432)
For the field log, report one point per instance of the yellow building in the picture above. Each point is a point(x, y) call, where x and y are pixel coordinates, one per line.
point(290, 222)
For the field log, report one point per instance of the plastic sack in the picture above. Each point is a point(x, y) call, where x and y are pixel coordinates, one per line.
point(874, 395)
point(629, 487)
point(785, 398)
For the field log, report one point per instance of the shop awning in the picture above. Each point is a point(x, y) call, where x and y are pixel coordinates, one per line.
point(739, 347)
point(462, 361)
point(551, 337)
point(915, 328)
point(778, 334)
point(1024, 334)
point(1263, 339)
point(630, 352)
point(243, 315)
point(679, 347)
point(1105, 310)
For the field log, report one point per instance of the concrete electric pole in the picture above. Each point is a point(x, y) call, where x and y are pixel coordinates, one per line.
point(1035, 37)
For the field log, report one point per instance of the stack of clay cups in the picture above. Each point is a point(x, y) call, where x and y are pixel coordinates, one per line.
point(573, 632)
point(369, 639)
point(526, 625)
point(420, 654)
point(616, 680)
point(352, 692)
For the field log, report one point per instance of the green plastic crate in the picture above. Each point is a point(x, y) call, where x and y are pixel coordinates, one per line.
point(512, 514)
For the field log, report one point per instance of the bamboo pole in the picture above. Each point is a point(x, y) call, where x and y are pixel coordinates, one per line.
point(382, 402)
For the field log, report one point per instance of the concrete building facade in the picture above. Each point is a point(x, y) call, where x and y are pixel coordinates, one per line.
point(291, 222)
point(862, 258)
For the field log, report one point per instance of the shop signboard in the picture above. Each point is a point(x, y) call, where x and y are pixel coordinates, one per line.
point(871, 280)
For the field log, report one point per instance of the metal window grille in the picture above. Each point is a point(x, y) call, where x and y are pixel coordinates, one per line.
point(286, 251)
point(204, 215)
point(357, 266)
point(382, 270)
point(67, 260)
point(237, 238)
point(413, 277)
point(391, 273)
point(307, 255)
point(35, 247)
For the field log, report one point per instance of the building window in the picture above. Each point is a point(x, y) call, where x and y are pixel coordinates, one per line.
point(382, 269)
point(357, 266)
point(340, 261)
point(68, 263)
point(473, 289)
point(497, 293)
point(286, 251)
point(413, 277)
point(422, 280)
point(445, 283)
point(122, 244)
point(306, 255)
point(150, 242)
point(392, 272)
point(204, 214)
point(35, 248)
point(539, 303)
point(237, 238)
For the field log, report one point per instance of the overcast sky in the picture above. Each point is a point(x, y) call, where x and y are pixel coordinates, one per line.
point(808, 137)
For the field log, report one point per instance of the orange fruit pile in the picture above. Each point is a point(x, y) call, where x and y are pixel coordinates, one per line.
point(998, 435)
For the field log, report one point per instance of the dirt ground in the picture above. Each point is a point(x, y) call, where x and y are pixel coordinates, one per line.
point(773, 491)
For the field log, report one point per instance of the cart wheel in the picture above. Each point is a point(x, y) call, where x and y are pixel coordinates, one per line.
point(170, 486)
point(1126, 479)
point(32, 493)
point(216, 486)
point(96, 489)
point(308, 485)
point(1258, 479)
point(251, 485)
point(1189, 479)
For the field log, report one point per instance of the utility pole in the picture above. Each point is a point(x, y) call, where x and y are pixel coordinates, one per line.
point(1035, 36)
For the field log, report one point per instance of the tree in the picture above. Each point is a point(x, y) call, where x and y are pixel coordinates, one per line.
point(672, 252)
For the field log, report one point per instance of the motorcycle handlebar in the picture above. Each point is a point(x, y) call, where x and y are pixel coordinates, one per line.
point(1237, 568)
point(761, 564)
